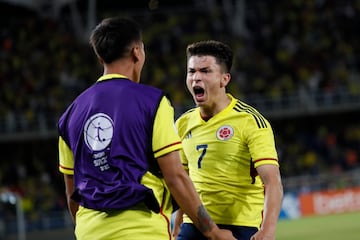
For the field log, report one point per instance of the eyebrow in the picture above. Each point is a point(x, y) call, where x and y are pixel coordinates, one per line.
point(201, 69)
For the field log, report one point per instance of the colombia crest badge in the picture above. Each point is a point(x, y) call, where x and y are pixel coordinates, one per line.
point(224, 133)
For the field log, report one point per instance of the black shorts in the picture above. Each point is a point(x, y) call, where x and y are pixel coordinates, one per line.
point(189, 232)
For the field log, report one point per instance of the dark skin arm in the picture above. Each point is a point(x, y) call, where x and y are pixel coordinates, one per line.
point(69, 189)
point(183, 190)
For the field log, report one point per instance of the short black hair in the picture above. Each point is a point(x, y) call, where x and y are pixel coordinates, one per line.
point(221, 51)
point(112, 38)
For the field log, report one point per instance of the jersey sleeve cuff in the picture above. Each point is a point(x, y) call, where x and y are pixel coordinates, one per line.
point(260, 162)
point(65, 170)
point(167, 149)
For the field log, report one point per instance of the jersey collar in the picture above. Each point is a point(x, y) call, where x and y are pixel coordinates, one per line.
point(110, 76)
point(221, 113)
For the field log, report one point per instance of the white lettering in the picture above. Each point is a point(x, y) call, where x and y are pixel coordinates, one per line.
point(101, 161)
point(99, 155)
point(340, 202)
point(105, 167)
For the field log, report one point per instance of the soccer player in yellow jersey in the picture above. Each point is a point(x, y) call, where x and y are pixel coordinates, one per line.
point(228, 150)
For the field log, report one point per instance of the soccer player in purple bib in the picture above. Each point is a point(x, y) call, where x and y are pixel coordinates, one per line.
point(119, 151)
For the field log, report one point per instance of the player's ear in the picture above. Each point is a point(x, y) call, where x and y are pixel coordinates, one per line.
point(101, 61)
point(225, 79)
point(136, 53)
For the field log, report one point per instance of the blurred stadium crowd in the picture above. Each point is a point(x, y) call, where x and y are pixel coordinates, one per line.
point(309, 50)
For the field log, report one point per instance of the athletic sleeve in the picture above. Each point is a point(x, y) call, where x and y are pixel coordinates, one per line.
point(165, 137)
point(66, 158)
point(179, 124)
point(184, 160)
point(261, 142)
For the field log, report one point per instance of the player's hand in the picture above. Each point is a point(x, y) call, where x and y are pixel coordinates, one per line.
point(222, 234)
point(261, 235)
point(176, 231)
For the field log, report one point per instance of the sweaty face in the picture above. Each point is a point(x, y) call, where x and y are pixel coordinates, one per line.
point(204, 80)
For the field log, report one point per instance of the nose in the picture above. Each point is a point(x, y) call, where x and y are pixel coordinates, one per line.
point(195, 77)
point(195, 81)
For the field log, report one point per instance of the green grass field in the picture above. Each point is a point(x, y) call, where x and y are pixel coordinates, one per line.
point(330, 227)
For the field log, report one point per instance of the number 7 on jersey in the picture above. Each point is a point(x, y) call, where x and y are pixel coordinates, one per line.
point(203, 148)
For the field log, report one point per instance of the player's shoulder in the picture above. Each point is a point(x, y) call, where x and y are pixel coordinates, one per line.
point(184, 119)
point(186, 115)
point(242, 107)
point(251, 113)
point(146, 93)
point(148, 88)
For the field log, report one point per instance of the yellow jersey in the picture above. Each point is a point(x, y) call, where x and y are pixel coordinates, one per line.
point(221, 156)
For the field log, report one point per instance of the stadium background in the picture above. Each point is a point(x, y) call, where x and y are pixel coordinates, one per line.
point(296, 61)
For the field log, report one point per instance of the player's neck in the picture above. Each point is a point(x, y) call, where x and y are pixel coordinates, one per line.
point(207, 112)
point(120, 67)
